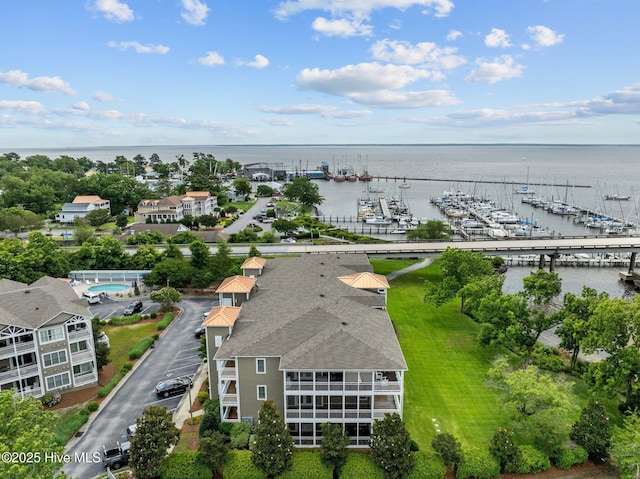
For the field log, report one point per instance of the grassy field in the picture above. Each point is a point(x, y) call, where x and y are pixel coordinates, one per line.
point(124, 338)
point(446, 373)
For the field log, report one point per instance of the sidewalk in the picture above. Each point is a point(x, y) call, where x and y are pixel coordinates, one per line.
point(181, 414)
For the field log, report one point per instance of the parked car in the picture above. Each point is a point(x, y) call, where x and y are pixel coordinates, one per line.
point(92, 298)
point(288, 240)
point(117, 456)
point(131, 430)
point(172, 386)
point(199, 331)
point(134, 307)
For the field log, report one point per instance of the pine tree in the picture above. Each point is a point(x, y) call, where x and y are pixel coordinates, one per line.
point(273, 446)
point(391, 446)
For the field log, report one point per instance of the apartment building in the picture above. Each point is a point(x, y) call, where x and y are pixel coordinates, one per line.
point(46, 339)
point(176, 207)
point(312, 334)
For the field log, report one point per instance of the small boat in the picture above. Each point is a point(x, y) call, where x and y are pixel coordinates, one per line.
point(352, 178)
point(340, 178)
point(378, 221)
point(374, 189)
point(398, 231)
point(524, 190)
point(404, 185)
point(365, 177)
point(616, 197)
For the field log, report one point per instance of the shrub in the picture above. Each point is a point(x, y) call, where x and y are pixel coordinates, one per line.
point(547, 358)
point(140, 348)
point(415, 447)
point(240, 466)
point(202, 396)
point(593, 431)
point(306, 465)
point(448, 448)
point(359, 466)
point(183, 465)
point(532, 460)
point(210, 422)
point(93, 406)
point(105, 390)
point(428, 465)
point(240, 435)
point(127, 366)
point(568, 457)
point(225, 428)
point(166, 321)
point(123, 320)
point(153, 315)
point(505, 450)
point(478, 463)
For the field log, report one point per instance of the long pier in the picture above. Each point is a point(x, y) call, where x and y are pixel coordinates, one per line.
point(494, 182)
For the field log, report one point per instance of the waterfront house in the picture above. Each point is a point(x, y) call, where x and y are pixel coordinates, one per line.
point(312, 334)
point(46, 338)
point(176, 207)
point(80, 207)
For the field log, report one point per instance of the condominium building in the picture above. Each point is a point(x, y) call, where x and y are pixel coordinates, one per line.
point(46, 339)
point(312, 334)
point(176, 207)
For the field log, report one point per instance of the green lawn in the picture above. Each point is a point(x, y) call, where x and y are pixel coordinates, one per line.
point(124, 338)
point(446, 373)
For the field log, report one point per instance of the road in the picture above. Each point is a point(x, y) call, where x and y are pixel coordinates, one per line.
point(175, 354)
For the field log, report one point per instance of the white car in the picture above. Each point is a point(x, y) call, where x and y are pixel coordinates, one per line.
point(288, 240)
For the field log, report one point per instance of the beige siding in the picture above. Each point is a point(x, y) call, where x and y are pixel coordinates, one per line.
point(212, 332)
point(249, 381)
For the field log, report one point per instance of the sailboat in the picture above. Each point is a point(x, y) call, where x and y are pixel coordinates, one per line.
point(404, 184)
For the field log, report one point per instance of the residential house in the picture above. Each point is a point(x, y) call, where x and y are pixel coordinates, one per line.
point(199, 203)
point(46, 338)
point(174, 208)
point(80, 207)
point(312, 334)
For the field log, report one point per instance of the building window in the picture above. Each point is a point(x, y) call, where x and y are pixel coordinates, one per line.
point(79, 346)
point(58, 381)
point(51, 334)
point(56, 357)
point(262, 392)
point(261, 366)
point(84, 368)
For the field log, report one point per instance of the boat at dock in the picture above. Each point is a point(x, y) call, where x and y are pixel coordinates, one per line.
point(616, 197)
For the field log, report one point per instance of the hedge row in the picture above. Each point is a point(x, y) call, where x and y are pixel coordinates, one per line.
point(123, 320)
point(166, 321)
point(140, 347)
point(105, 390)
point(183, 465)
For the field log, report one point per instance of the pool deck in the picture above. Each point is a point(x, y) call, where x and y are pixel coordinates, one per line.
point(82, 287)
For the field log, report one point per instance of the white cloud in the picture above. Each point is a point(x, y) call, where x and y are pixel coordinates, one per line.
point(260, 62)
point(501, 68)
point(194, 12)
point(211, 59)
point(324, 111)
point(406, 99)
point(29, 107)
point(424, 53)
point(395, 24)
point(497, 38)
point(453, 35)
point(278, 121)
point(625, 101)
point(103, 96)
point(20, 79)
point(359, 78)
point(81, 105)
point(113, 10)
point(544, 36)
point(338, 8)
point(138, 47)
point(342, 27)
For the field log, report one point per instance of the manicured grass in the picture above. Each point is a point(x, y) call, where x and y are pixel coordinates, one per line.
point(386, 266)
point(447, 369)
point(124, 338)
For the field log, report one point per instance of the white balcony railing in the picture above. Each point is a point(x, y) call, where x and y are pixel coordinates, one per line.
point(229, 399)
point(228, 373)
point(87, 378)
point(83, 356)
point(79, 334)
point(9, 351)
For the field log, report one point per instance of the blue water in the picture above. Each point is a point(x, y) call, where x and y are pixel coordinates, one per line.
point(113, 287)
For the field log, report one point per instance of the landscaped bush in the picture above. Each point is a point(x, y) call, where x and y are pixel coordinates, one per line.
point(202, 396)
point(532, 460)
point(105, 390)
point(183, 465)
point(127, 366)
point(240, 466)
point(122, 320)
point(93, 406)
point(479, 464)
point(306, 465)
point(547, 358)
point(568, 457)
point(153, 315)
point(359, 466)
point(140, 348)
point(240, 435)
point(166, 321)
point(427, 465)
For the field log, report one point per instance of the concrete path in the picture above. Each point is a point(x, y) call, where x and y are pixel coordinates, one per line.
point(413, 267)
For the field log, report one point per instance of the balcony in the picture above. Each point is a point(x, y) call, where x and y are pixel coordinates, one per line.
point(35, 392)
point(83, 356)
point(24, 371)
point(20, 348)
point(79, 334)
point(86, 378)
point(227, 373)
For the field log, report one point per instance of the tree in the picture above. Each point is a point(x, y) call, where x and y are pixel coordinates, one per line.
point(432, 229)
point(478, 289)
point(272, 451)
point(213, 450)
point(242, 187)
point(304, 191)
point(505, 450)
point(448, 448)
point(333, 453)
point(541, 287)
point(253, 251)
point(458, 269)
point(222, 263)
point(284, 226)
point(25, 428)
point(391, 446)
point(540, 406)
point(122, 221)
point(102, 350)
point(625, 447)
point(155, 433)
point(17, 220)
point(200, 256)
point(574, 319)
point(172, 271)
point(593, 431)
point(166, 297)
point(264, 191)
point(97, 218)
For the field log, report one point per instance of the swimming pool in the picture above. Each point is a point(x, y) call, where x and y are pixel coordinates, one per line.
point(113, 287)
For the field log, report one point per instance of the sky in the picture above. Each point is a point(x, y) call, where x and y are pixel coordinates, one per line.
point(245, 72)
